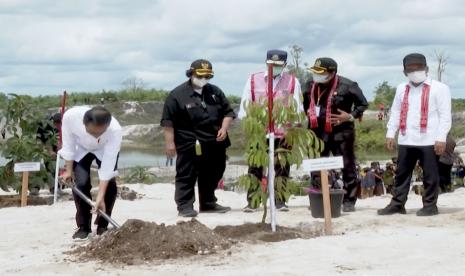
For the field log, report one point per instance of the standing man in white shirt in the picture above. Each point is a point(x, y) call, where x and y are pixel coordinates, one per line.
point(421, 112)
point(285, 86)
point(91, 134)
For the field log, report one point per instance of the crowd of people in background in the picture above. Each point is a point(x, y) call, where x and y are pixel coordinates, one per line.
point(377, 179)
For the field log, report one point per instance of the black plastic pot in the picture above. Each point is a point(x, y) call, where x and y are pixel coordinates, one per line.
point(316, 203)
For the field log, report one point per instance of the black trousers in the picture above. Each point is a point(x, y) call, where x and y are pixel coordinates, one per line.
point(82, 180)
point(206, 169)
point(445, 179)
point(342, 144)
point(407, 159)
point(279, 172)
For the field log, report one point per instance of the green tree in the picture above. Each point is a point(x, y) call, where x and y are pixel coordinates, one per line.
point(22, 121)
point(3, 100)
point(384, 94)
point(370, 138)
point(295, 65)
point(299, 143)
point(234, 99)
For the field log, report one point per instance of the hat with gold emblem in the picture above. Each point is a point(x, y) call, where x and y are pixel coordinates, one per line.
point(201, 68)
point(323, 65)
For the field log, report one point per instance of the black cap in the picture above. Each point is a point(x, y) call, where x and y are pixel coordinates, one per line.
point(414, 58)
point(278, 57)
point(200, 67)
point(324, 64)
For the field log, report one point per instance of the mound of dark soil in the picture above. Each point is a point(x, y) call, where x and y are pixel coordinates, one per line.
point(251, 232)
point(140, 241)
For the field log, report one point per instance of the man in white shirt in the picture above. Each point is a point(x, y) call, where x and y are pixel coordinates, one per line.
point(421, 112)
point(91, 134)
point(285, 86)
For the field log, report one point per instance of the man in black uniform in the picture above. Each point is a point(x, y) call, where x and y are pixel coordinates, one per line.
point(196, 118)
point(332, 104)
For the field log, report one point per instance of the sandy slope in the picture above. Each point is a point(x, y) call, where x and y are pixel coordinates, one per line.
point(33, 239)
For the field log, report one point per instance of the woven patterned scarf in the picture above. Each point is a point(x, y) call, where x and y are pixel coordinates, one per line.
point(312, 116)
point(424, 109)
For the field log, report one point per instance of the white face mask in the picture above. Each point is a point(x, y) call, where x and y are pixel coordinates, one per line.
point(321, 78)
point(199, 82)
point(417, 76)
point(277, 70)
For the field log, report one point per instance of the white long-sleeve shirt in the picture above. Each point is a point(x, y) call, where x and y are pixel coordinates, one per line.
point(247, 95)
point(77, 142)
point(439, 115)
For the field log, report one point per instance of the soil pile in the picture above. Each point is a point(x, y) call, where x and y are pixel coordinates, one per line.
point(252, 232)
point(140, 241)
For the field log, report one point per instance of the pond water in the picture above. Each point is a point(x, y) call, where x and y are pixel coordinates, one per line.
point(145, 158)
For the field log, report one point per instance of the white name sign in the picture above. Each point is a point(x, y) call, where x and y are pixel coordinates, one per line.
point(326, 163)
point(27, 167)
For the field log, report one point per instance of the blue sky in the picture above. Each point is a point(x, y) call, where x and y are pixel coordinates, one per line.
point(89, 45)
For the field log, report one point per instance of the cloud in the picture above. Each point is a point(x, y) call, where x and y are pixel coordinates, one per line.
point(49, 46)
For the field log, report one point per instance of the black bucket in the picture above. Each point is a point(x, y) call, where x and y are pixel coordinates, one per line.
point(316, 203)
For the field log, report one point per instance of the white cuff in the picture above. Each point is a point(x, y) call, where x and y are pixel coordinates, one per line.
point(391, 133)
point(66, 155)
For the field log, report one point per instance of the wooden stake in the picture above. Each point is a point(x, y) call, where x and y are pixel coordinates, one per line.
point(24, 189)
point(326, 202)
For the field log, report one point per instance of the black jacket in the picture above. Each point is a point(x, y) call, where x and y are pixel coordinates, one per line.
point(196, 116)
point(348, 97)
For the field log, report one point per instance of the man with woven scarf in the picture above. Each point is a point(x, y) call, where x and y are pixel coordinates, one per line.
point(332, 103)
point(421, 112)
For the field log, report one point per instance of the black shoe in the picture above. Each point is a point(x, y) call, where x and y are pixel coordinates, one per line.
point(282, 207)
point(81, 234)
point(187, 213)
point(215, 209)
point(392, 209)
point(348, 207)
point(428, 211)
point(101, 230)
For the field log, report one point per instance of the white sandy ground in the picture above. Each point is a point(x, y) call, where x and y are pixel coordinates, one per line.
point(33, 239)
